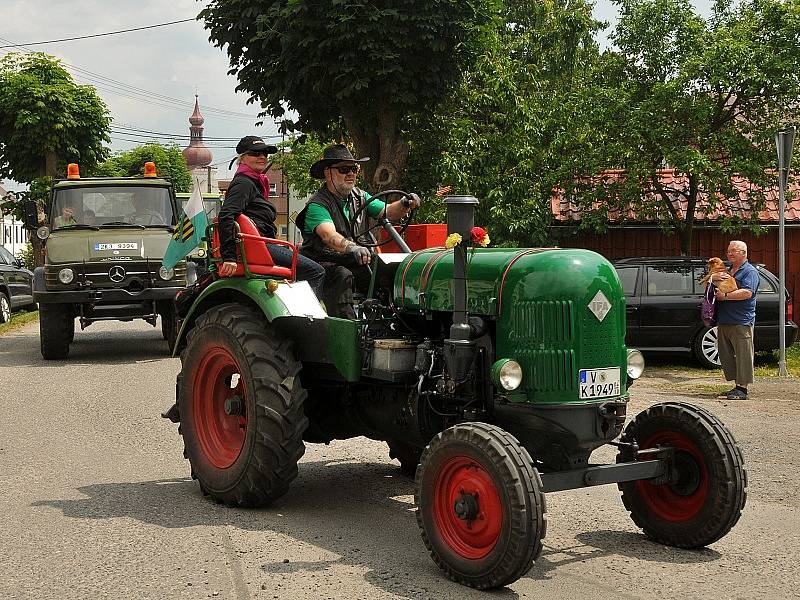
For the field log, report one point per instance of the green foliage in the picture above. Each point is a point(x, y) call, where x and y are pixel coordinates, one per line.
point(170, 163)
point(27, 255)
point(704, 97)
point(503, 136)
point(348, 63)
point(296, 159)
point(44, 112)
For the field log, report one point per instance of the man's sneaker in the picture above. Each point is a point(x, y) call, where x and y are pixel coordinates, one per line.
point(737, 394)
point(726, 395)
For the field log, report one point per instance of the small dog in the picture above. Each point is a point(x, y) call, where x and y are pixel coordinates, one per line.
point(715, 265)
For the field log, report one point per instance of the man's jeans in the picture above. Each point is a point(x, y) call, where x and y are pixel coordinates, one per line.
point(307, 269)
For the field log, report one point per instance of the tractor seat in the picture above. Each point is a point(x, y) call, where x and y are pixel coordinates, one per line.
point(259, 260)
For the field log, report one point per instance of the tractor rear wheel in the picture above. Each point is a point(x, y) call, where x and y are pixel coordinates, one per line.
point(480, 505)
point(241, 407)
point(407, 455)
point(707, 491)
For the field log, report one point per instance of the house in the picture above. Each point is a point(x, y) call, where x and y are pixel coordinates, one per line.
point(631, 235)
point(13, 235)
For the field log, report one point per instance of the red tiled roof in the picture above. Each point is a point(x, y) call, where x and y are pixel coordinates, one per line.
point(565, 211)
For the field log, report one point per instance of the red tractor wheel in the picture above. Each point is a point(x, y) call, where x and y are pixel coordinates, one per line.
point(706, 493)
point(480, 505)
point(241, 407)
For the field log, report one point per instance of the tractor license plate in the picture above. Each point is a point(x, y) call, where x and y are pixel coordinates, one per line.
point(598, 383)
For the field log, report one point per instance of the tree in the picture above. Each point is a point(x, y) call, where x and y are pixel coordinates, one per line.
point(345, 66)
point(295, 160)
point(169, 160)
point(702, 96)
point(505, 132)
point(46, 121)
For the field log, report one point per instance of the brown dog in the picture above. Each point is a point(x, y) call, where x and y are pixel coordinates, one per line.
point(715, 265)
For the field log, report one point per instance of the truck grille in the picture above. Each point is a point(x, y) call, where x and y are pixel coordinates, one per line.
point(130, 275)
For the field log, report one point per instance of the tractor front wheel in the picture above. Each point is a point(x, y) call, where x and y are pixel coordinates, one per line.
point(706, 491)
point(480, 505)
point(241, 407)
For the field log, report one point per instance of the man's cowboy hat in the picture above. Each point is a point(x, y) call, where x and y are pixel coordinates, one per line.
point(333, 154)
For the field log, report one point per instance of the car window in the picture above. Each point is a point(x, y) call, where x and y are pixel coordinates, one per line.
point(764, 286)
point(670, 281)
point(628, 277)
point(6, 257)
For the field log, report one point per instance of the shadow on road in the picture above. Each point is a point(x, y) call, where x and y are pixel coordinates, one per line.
point(362, 513)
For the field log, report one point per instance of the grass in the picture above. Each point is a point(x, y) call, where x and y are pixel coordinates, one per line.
point(766, 364)
point(19, 320)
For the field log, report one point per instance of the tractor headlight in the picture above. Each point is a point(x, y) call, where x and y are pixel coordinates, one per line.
point(507, 374)
point(166, 274)
point(201, 253)
point(635, 363)
point(66, 275)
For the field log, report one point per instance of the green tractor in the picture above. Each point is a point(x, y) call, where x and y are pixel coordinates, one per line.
point(493, 374)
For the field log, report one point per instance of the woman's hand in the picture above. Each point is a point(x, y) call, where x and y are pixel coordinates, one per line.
point(227, 268)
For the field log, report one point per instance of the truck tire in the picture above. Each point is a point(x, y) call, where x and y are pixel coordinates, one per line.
point(5, 308)
point(241, 407)
point(169, 327)
point(708, 491)
point(407, 455)
point(480, 505)
point(56, 328)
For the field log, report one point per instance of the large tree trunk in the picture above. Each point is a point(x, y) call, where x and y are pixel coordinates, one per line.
point(383, 142)
point(49, 169)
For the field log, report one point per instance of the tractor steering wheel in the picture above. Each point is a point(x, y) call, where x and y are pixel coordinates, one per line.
point(364, 238)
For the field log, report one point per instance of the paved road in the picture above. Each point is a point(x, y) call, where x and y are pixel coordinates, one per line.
point(95, 502)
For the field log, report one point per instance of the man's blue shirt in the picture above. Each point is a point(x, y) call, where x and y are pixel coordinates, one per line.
point(740, 312)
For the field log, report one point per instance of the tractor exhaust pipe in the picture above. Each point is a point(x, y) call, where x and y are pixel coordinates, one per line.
point(459, 350)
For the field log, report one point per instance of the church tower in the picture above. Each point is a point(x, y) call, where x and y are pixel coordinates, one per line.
point(198, 157)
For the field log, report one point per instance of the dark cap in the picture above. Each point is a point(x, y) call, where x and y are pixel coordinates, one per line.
point(333, 154)
point(253, 143)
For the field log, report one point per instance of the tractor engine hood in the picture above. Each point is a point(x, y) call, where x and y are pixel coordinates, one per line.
point(106, 245)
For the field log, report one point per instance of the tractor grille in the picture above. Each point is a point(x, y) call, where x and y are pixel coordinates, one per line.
point(537, 322)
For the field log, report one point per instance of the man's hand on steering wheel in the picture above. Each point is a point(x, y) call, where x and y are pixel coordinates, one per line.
point(405, 209)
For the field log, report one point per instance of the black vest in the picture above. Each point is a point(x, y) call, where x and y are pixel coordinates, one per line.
point(313, 247)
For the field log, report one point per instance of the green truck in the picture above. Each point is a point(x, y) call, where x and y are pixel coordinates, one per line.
point(493, 374)
point(104, 239)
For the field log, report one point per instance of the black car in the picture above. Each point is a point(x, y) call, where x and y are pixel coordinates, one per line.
point(663, 296)
point(16, 285)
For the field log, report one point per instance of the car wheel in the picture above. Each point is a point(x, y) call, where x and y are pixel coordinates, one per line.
point(5, 308)
point(705, 348)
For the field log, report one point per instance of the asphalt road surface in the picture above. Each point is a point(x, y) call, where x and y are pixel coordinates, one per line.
point(96, 501)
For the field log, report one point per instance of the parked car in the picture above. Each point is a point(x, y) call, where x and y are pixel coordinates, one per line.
point(663, 296)
point(16, 285)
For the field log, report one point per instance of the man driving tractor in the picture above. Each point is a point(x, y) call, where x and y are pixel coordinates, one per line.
point(329, 234)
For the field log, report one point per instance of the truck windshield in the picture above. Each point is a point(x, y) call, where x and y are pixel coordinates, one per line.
point(119, 205)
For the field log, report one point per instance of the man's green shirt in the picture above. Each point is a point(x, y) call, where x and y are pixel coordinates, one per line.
point(316, 214)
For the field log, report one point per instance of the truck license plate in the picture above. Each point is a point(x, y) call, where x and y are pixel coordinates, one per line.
point(598, 383)
point(117, 246)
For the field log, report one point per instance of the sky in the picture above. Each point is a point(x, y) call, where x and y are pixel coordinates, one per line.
point(176, 61)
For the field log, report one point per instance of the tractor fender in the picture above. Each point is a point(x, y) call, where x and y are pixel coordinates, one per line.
point(276, 299)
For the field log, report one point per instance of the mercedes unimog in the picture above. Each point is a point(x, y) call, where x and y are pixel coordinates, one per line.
point(104, 239)
point(493, 374)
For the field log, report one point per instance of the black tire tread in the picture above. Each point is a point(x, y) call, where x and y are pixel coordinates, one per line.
point(279, 420)
point(55, 330)
point(526, 535)
point(729, 461)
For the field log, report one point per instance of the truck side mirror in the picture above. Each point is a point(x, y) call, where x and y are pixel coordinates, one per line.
point(30, 216)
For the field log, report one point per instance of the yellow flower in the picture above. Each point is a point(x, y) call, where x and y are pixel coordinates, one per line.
point(485, 241)
point(453, 240)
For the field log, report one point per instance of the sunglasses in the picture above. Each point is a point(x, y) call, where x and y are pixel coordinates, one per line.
point(257, 153)
point(345, 169)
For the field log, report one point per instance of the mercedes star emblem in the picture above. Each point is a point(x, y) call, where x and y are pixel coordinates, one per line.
point(116, 273)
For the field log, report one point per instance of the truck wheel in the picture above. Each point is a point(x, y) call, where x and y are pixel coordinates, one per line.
point(480, 505)
point(169, 327)
point(707, 493)
point(5, 308)
point(705, 348)
point(406, 454)
point(241, 407)
point(56, 328)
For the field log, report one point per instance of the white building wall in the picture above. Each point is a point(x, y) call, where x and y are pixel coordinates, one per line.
point(13, 235)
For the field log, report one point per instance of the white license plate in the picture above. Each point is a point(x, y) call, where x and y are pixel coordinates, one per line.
point(598, 383)
point(117, 246)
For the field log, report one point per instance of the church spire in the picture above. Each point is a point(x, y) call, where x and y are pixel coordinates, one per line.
point(196, 153)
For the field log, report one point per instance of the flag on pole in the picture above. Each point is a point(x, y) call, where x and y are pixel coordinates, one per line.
point(189, 231)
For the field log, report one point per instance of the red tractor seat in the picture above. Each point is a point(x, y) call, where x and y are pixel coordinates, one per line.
point(259, 261)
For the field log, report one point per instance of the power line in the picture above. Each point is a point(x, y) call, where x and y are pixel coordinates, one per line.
point(130, 129)
point(94, 35)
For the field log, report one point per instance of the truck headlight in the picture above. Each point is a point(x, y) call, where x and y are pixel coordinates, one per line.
point(166, 274)
point(66, 275)
point(635, 363)
point(507, 374)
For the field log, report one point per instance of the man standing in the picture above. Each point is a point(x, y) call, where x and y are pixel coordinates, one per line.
point(328, 233)
point(736, 314)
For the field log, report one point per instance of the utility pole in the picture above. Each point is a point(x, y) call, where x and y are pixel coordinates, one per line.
point(784, 140)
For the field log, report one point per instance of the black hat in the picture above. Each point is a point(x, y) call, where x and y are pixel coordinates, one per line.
point(253, 143)
point(333, 154)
